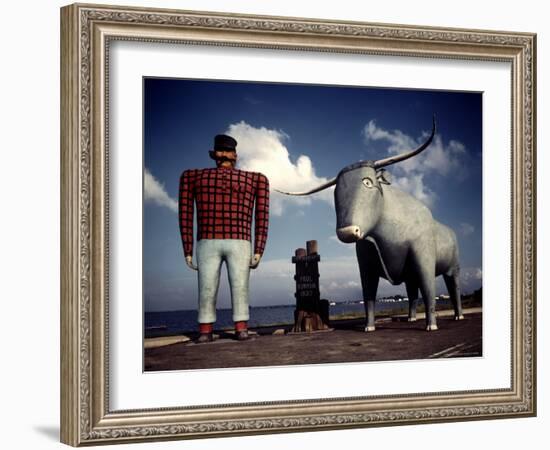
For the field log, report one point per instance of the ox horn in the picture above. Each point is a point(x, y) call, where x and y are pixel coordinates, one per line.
point(403, 156)
point(312, 191)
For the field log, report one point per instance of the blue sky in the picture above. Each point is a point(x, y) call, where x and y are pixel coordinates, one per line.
point(300, 136)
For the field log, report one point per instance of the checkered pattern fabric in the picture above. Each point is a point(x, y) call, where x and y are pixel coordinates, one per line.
point(225, 199)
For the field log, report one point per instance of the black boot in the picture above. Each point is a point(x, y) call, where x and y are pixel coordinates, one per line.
point(242, 335)
point(204, 338)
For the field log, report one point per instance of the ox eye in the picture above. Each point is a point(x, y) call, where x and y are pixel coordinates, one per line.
point(368, 182)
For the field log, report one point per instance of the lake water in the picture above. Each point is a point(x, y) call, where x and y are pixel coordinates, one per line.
point(174, 322)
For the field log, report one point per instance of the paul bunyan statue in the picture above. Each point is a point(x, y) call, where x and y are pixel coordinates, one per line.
point(226, 199)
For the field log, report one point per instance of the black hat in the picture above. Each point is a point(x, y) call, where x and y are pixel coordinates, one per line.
point(224, 143)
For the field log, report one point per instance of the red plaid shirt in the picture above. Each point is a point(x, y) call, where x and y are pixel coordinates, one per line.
point(225, 199)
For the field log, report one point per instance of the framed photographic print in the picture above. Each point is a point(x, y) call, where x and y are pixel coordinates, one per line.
point(313, 204)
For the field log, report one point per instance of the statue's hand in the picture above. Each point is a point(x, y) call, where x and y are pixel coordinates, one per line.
point(189, 261)
point(255, 261)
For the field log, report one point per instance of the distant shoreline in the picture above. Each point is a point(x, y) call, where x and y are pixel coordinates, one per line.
point(467, 300)
point(380, 315)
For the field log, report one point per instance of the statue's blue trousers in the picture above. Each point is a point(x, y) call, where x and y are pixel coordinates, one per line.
point(210, 254)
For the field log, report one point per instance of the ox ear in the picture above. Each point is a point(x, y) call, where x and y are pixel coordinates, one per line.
point(383, 176)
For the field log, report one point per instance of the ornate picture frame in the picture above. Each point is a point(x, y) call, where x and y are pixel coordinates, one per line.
point(87, 31)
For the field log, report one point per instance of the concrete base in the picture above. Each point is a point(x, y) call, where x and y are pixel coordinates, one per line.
point(348, 342)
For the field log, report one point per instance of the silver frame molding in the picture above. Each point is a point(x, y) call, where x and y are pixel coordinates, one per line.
point(86, 31)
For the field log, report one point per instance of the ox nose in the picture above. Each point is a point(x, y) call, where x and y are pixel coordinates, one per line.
point(349, 234)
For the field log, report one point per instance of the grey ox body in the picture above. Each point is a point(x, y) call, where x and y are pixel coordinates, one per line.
point(395, 235)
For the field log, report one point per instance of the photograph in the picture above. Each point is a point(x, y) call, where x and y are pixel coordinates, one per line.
point(293, 224)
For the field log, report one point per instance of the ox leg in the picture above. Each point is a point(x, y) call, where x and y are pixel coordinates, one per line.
point(425, 261)
point(368, 261)
point(412, 293)
point(452, 283)
point(427, 287)
point(370, 286)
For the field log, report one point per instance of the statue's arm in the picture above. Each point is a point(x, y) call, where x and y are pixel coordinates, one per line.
point(261, 219)
point(186, 200)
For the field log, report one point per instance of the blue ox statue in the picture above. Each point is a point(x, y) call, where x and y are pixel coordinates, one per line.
point(395, 236)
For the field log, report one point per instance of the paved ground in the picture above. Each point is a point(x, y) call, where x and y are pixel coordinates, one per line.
point(392, 340)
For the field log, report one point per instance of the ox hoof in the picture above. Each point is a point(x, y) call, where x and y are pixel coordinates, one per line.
point(431, 328)
point(370, 328)
point(461, 317)
point(411, 319)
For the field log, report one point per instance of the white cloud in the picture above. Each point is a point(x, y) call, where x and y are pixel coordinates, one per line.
point(154, 192)
point(414, 185)
point(399, 141)
point(439, 158)
point(466, 229)
point(350, 284)
point(263, 150)
point(471, 273)
point(471, 278)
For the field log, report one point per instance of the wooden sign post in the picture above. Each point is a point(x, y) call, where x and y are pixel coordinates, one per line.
point(311, 312)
